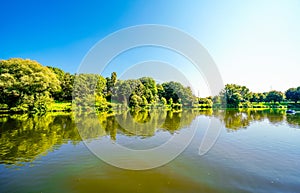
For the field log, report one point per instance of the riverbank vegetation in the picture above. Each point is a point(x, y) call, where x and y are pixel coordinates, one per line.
point(27, 86)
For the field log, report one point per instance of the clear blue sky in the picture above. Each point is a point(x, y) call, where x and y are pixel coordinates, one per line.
point(255, 43)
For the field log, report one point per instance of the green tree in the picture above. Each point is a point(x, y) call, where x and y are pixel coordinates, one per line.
point(25, 85)
point(67, 87)
point(150, 89)
point(293, 94)
point(207, 101)
point(274, 96)
point(110, 84)
point(234, 94)
point(87, 87)
point(178, 93)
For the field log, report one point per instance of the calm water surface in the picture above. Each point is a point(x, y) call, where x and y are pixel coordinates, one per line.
point(257, 151)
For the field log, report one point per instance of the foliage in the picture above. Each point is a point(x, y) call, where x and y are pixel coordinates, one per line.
point(87, 87)
point(257, 97)
point(66, 85)
point(150, 88)
point(26, 84)
point(178, 93)
point(293, 94)
point(232, 95)
point(110, 84)
point(274, 96)
point(207, 101)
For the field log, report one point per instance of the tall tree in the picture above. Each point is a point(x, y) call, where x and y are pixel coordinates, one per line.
point(110, 83)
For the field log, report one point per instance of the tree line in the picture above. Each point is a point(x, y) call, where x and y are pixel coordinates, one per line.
point(235, 96)
point(26, 85)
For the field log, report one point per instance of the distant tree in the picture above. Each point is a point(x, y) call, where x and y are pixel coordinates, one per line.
point(207, 101)
point(262, 97)
point(234, 94)
point(113, 78)
point(293, 94)
point(87, 87)
point(150, 89)
point(160, 90)
point(67, 87)
point(254, 97)
point(217, 99)
point(26, 84)
point(274, 96)
point(257, 97)
point(178, 93)
point(124, 89)
point(110, 84)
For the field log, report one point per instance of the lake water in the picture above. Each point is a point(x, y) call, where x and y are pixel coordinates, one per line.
point(256, 151)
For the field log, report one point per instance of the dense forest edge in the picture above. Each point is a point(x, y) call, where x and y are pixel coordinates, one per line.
point(28, 86)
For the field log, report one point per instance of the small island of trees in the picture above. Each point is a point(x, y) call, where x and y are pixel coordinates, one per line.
point(27, 86)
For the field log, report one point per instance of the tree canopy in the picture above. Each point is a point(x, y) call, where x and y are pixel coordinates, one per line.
point(293, 94)
point(26, 84)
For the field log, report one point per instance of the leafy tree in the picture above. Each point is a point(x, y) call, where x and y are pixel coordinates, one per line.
point(274, 96)
point(160, 90)
point(26, 84)
point(67, 87)
point(87, 87)
point(234, 94)
point(293, 94)
point(110, 84)
point(124, 89)
point(150, 88)
point(207, 101)
point(178, 93)
point(58, 72)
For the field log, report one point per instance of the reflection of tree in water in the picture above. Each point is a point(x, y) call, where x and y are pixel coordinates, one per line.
point(235, 120)
point(146, 123)
point(140, 123)
point(24, 137)
point(275, 117)
point(293, 120)
point(90, 125)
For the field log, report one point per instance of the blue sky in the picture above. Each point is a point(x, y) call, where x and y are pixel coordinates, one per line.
point(254, 43)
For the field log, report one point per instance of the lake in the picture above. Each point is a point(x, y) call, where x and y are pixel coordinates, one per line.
point(254, 151)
